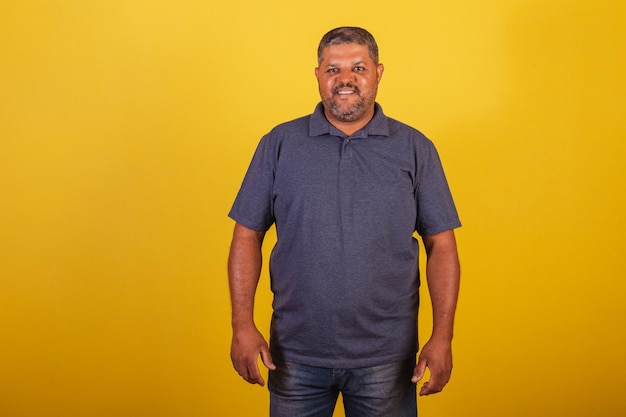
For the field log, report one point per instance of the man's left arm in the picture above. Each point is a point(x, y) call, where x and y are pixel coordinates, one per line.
point(443, 276)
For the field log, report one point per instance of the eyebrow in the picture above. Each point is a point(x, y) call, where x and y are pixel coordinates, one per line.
point(332, 64)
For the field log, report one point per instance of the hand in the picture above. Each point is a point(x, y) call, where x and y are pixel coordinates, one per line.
point(437, 357)
point(247, 345)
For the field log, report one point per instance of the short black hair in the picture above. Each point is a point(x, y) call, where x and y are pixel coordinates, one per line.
point(348, 34)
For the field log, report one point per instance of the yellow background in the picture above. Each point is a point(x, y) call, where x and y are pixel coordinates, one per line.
point(126, 128)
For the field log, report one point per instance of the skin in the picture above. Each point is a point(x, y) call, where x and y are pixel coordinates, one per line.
point(348, 82)
point(244, 269)
point(443, 276)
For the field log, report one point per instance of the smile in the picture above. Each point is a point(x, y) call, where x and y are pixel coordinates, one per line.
point(345, 89)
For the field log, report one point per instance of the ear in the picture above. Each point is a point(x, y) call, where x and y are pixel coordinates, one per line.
point(380, 68)
point(317, 73)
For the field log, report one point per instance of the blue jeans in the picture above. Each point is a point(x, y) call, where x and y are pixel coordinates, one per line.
point(306, 391)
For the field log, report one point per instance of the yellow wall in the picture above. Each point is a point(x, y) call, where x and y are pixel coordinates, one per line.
point(125, 130)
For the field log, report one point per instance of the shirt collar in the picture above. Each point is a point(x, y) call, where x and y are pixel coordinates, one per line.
point(319, 125)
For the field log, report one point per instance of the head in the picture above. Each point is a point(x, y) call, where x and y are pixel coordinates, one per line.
point(348, 74)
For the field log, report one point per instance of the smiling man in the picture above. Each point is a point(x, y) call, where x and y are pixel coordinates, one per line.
point(346, 188)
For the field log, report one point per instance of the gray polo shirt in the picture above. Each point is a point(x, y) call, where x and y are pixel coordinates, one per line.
point(344, 271)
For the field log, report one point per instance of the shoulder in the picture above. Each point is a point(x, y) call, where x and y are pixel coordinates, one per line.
point(411, 136)
point(288, 131)
point(299, 126)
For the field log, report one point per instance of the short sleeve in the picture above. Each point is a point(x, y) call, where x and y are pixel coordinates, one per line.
point(436, 211)
point(253, 206)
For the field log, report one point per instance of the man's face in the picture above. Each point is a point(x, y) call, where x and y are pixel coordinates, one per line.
point(348, 81)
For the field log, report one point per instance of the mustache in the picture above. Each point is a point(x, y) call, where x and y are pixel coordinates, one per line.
point(346, 85)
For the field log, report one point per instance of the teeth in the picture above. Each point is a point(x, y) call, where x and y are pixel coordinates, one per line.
point(345, 92)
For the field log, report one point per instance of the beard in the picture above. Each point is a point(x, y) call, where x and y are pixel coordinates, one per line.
point(349, 113)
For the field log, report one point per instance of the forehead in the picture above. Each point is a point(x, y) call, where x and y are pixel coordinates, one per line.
point(349, 52)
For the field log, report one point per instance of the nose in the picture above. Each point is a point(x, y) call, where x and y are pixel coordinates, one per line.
point(345, 76)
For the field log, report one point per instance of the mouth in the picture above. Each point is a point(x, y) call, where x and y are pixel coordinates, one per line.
point(345, 90)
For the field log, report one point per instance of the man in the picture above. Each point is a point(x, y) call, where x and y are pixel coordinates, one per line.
point(346, 187)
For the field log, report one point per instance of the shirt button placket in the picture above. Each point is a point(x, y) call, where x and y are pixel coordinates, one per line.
point(344, 150)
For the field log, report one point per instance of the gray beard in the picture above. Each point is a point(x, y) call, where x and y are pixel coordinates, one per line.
point(351, 114)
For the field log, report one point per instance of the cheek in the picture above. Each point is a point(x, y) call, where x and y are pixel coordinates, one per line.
point(326, 87)
point(368, 86)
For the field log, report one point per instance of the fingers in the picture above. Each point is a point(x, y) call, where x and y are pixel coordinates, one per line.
point(437, 357)
point(418, 372)
point(438, 380)
point(246, 347)
point(255, 374)
point(430, 387)
point(248, 368)
point(266, 357)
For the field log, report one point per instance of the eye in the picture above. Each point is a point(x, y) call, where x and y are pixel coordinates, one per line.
point(332, 70)
point(359, 69)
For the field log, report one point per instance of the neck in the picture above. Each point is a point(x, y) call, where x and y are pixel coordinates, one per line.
point(349, 128)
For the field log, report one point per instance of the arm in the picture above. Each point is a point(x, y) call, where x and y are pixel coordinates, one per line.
point(443, 275)
point(244, 269)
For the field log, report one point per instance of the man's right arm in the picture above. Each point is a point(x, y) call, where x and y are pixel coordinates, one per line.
point(244, 269)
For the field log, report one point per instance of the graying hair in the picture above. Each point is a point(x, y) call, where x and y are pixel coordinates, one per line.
point(345, 35)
